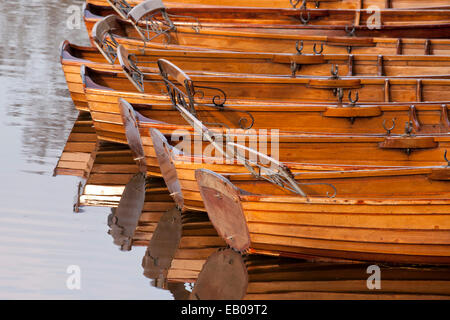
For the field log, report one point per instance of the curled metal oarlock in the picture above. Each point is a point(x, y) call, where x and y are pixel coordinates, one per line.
point(306, 20)
point(315, 48)
point(388, 130)
point(408, 128)
point(353, 101)
point(339, 93)
point(299, 49)
point(188, 100)
point(243, 121)
point(334, 71)
point(350, 33)
point(294, 68)
point(218, 99)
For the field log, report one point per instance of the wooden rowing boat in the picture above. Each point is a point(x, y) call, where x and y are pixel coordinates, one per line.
point(295, 65)
point(299, 153)
point(73, 57)
point(429, 24)
point(324, 4)
point(383, 215)
point(432, 118)
point(254, 89)
point(177, 169)
point(103, 89)
point(306, 119)
point(227, 275)
point(253, 40)
point(213, 63)
point(179, 247)
point(112, 128)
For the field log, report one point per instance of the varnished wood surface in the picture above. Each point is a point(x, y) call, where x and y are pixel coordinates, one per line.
point(327, 4)
point(251, 89)
point(274, 40)
point(337, 152)
point(102, 89)
point(72, 57)
point(392, 227)
point(393, 23)
point(217, 62)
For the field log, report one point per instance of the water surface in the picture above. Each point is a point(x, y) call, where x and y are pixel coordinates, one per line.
point(40, 236)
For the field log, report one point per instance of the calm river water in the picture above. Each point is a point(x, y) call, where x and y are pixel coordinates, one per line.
point(40, 236)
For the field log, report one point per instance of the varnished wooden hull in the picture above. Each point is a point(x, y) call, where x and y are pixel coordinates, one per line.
point(217, 62)
point(103, 89)
point(336, 4)
point(253, 89)
point(332, 152)
point(394, 227)
point(251, 40)
point(72, 57)
point(426, 24)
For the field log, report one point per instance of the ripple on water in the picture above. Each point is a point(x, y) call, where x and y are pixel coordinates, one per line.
point(40, 235)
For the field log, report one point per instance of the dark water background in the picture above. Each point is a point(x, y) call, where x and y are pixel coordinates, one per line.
point(40, 236)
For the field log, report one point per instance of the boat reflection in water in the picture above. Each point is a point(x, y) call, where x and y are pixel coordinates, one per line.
point(186, 256)
point(180, 246)
point(228, 275)
point(110, 178)
point(78, 154)
point(141, 206)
